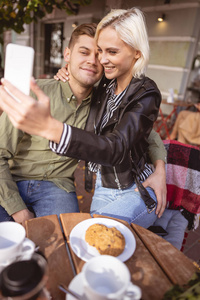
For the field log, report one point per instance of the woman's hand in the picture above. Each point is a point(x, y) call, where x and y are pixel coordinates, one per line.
point(157, 181)
point(30, 115)
point(62, 74)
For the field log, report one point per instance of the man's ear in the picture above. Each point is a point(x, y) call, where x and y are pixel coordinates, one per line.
point(67, 53)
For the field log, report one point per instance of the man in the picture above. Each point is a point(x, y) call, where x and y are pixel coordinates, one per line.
point(34, 180)
point(31, 175)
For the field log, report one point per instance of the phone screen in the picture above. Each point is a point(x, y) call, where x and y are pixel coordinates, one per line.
point(158, 230)
point(19, 66)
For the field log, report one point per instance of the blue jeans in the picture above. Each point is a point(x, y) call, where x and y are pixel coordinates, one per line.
point(44, 198)
point(175, 224)
point(122, 204)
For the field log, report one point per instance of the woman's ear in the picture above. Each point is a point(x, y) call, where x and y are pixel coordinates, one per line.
point(137, 54)
point(67, 53)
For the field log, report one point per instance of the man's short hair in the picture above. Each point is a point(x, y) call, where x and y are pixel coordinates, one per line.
point(88, 29)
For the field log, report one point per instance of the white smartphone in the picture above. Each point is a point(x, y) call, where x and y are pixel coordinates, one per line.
point(19, 66)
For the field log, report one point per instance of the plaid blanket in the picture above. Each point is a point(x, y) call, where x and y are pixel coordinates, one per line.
point(183, 176)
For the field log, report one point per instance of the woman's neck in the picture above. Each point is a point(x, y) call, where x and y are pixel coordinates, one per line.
point(122, 83)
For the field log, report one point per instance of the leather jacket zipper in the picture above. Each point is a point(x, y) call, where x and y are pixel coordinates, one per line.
point(115, 172)
point(117, 179)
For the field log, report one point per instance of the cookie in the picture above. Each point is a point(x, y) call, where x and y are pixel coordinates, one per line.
point(106, 240)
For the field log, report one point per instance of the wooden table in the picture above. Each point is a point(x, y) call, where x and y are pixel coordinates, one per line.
point(155, 265)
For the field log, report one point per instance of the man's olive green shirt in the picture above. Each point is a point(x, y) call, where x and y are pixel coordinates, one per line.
point(28, 157)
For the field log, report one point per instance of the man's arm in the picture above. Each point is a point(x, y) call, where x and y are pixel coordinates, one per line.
point(10, 198)
point(156, 149)
point(157, 181)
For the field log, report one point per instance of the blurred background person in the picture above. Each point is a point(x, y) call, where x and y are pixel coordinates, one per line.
point(187, 127)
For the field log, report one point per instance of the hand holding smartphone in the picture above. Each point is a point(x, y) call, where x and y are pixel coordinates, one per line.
point(19, 67)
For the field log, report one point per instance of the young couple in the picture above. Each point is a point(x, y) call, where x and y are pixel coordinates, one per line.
point(114, 143)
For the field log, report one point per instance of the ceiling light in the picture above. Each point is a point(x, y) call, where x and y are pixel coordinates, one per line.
point(161, 18)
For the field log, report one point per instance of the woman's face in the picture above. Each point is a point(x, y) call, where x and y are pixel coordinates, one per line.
point(116, 56)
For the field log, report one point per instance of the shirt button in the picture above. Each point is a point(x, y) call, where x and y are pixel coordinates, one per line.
point(45, 176)
point(73, 97)
point(68, 99)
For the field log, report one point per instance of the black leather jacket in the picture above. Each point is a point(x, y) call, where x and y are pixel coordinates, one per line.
point(122, 145)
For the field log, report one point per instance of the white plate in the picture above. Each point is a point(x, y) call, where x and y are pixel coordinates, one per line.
point(83, 250)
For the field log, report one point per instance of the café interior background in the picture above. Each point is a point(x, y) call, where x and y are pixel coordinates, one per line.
point(174, 42)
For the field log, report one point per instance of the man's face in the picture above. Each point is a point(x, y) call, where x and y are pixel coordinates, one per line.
point(83, 64)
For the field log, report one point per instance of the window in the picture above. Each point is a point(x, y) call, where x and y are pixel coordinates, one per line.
point(53, 48)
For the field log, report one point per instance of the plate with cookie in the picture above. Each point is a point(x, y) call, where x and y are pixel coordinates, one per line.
point(100, 236)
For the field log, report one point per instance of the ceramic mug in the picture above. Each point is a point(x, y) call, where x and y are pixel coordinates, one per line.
point(106, 277)
point(25, 280)
point(13, 243)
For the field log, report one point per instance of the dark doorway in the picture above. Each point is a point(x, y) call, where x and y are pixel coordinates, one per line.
point(53, 48)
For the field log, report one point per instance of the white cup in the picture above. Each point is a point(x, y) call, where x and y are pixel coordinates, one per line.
point(106, 277)
point(13, 243)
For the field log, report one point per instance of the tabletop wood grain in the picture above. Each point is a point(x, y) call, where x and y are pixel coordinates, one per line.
point(46, 233)
point(154, 266)
point(148, 271)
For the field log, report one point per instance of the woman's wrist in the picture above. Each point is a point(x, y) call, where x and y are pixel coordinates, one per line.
point(53, 130)
point(159, 166)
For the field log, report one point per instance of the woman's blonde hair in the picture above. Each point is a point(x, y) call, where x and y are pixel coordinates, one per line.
point(131, 27)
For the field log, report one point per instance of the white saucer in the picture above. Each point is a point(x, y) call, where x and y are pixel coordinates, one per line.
point(76, 285)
